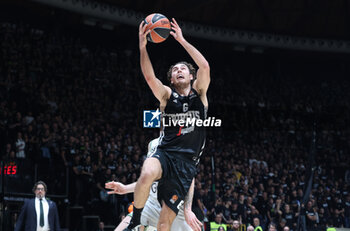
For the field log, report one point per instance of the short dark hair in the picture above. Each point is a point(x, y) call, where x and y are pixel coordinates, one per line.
point(37, 183)
point(193, 70)
point(272, 224)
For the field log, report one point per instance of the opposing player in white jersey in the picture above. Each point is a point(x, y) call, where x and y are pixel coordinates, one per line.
point(151, 211)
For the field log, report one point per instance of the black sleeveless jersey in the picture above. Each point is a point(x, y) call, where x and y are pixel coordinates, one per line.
point(180, 133)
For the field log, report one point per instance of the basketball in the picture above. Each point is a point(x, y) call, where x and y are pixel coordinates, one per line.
point(159, 26)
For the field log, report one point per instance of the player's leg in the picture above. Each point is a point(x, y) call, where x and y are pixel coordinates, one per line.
point(173, 188)
point(166, 218)
point(151, 171)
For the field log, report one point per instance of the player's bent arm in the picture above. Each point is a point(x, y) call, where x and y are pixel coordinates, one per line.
point(160, 91)
point(130, 188)
point(202, 81)
point(201, 84)
point(119, 188)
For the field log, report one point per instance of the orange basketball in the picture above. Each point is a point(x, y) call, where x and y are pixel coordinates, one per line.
point(159, 26)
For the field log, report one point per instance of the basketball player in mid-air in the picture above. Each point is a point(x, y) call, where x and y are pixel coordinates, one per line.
point(174, 162)
point(151, 211)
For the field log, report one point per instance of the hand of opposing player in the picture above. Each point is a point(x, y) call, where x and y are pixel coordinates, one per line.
point(192, 220)
point(116, 187)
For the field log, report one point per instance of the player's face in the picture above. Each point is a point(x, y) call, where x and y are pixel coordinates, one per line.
point(180, 75)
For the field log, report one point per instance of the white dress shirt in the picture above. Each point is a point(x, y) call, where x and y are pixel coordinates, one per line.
point(46, 226)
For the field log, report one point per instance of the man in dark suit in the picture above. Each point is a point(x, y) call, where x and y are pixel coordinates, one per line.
point(39, 213)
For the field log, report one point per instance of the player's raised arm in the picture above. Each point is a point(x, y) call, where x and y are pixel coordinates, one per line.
point(160, 91)
point(201, 84)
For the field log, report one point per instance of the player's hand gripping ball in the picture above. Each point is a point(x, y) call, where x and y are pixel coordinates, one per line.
point(159, 27)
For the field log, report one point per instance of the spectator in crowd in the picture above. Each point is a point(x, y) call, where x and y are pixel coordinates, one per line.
point(214, 225)
point(20, 146)
point(281, 224)
point(227, 212)
point(256, 224)
point(198, 207)
point(272, 227)
point(250, 228)
point(236, 225)
point(289, 217)
point(221, 228)
point(347, 211)
point(311, 215)
point(101, 226)
point(338, 220)
point(236, 212)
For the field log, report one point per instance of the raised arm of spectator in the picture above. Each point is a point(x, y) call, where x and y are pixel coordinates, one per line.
point(269, 216)
point(63, 156)
point(278, 207)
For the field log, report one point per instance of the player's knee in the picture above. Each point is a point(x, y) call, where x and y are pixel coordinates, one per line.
point(150, 172)
point(147, 177)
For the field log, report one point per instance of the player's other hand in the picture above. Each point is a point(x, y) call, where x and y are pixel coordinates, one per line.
point(192, 220)
point(116, 187)
point(177, 32)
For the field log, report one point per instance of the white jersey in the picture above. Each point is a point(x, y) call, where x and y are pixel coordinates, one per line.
point(151, 211)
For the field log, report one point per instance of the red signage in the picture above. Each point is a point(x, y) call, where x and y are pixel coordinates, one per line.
point(9, 170)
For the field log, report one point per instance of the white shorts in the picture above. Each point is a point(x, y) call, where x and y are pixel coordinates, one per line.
point(150, 216)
